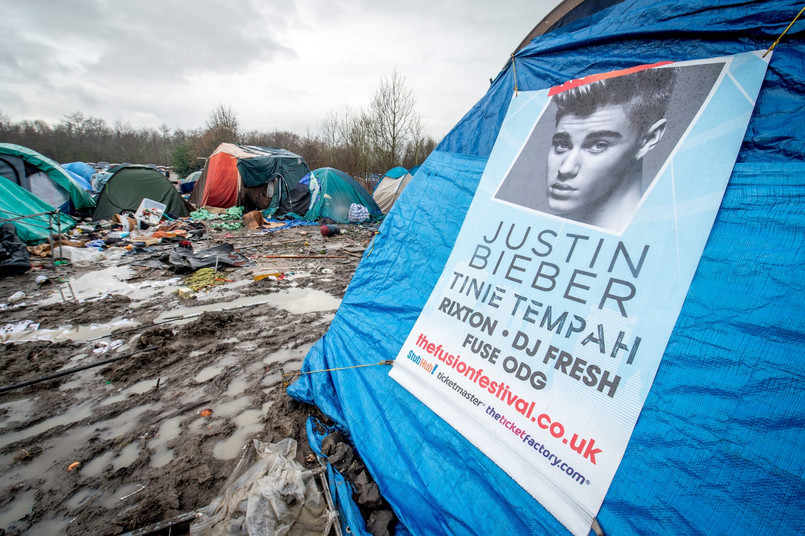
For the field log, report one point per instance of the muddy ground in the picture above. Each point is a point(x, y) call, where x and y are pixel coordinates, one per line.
point(156, 434)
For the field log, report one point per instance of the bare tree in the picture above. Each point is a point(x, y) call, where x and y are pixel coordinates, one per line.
point(330, 135)
point(223, 119)
point(393, 113)
point(222, 127)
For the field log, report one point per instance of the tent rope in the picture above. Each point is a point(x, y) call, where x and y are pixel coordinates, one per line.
point(373, 243)
point(300, 373)
point(514, 68)
point(784, 31)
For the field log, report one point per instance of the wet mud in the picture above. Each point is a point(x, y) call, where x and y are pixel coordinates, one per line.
point(156, 431)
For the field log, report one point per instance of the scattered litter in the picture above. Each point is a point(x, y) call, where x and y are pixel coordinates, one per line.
point(101, 347)
point(10, 329)
point(80, 256)
point(73, 465)
point(150, 211)
point(229, 219)
point(358, 213)
point(271, 275)
point(16, 297)
point(133, 492)
point(268, 493)
point(42, 280)
point(186, 293)
point(205, 412)
point(253, 219)
point(159, 284)
point(330, 230)
point(204, 278)
point(184, 260)
point(24, 454)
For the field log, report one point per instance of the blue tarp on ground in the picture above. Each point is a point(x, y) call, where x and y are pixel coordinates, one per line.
point(718, 446)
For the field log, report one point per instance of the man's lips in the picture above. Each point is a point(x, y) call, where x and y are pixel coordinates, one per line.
point(561, 189)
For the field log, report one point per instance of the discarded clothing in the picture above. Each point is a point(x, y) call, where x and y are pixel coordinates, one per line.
point(184, 260)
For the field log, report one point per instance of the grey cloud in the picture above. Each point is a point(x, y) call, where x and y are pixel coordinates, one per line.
point(152, 38)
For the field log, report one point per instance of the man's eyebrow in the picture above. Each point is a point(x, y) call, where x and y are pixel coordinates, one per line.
point(560, 136)
point(603, 134)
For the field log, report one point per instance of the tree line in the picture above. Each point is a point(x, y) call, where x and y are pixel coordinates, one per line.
point(388, 133)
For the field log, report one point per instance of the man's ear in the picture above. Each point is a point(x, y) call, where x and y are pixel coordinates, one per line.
point(651, 138)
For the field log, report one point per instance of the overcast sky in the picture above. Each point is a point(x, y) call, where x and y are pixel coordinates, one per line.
point(278, 64)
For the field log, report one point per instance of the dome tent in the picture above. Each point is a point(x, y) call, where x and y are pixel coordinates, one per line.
point(43, 177)
point(390, 187)
point(717, 443)
point(130, 184)
point(332, 192)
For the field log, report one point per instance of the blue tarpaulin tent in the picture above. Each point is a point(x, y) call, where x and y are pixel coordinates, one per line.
point(81, 172)
point(718, 446)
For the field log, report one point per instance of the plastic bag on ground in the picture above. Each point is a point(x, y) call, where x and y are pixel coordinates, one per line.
point(268, 494)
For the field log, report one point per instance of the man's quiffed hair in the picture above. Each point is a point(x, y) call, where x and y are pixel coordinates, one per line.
point(644, 93)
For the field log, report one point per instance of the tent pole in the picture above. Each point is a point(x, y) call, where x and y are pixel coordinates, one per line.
point(50, 240)
point(58, 224)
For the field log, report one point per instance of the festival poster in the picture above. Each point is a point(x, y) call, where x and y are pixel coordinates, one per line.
point(544, 332)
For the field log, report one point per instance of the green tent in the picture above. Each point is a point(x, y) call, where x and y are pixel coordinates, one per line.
point(42, 177)
point(28, 214)
point(130, 184)
point(332, 192)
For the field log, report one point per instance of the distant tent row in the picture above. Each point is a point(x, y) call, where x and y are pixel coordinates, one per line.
point(274, 180)
point(279, 182)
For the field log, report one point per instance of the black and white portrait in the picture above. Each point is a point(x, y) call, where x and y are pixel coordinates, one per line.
point(599, 145)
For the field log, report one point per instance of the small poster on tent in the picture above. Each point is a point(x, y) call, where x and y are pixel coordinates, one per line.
point(544, 332)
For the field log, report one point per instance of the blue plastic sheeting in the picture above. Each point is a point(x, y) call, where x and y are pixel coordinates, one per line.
point(80, 168)
point(350, 517)
point(718, 446)
point(288, 224)
point(81, 181)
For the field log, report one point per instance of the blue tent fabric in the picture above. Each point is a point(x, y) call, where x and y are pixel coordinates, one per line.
point(80, 168)
point(80, 180)
point(396, 173)
point(718, 446)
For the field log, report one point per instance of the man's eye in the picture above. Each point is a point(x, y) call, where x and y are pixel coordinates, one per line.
point(598, 147)
point(561, 146)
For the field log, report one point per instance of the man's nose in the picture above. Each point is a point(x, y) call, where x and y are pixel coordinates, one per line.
point(570, 164)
